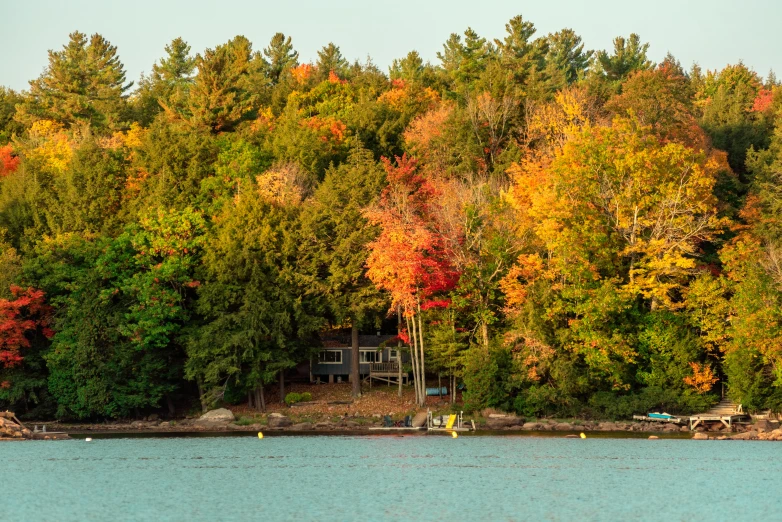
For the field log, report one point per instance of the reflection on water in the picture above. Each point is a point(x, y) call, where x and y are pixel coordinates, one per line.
point(389, 477)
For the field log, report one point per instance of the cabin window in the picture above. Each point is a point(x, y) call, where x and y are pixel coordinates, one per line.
point(330, 357)
point(393, 355)
point(370, 356)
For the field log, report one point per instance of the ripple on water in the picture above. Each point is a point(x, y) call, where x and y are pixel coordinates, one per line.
point(370, 478)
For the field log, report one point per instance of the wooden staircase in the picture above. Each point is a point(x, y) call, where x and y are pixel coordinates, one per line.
point(726, 407)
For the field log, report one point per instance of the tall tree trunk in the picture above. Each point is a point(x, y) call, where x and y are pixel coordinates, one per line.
point(204, 407)
point(250, 399)
point(282, 386)
point(355, 360)
point(485, 335)
point(171, 407)
point(421, 347)
point(399, 348)
point(260, 399)
point(413, 357)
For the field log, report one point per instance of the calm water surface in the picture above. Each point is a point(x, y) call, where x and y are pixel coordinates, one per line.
point(388, 477)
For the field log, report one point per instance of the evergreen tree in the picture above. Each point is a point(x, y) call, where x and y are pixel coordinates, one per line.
point(464, 61)
point(9, 127)
point(280, 57)
point(83, 83)
point(330, 60)
point(629, 55)
point(565, 54)
point(169, 84)
point(409, 68)
point(223, 94)
point(257, 320)
point(336, 235)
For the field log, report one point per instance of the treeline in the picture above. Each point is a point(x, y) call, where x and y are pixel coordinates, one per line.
point(566, 231)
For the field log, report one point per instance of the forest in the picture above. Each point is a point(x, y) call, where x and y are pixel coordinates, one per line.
point(563, 231)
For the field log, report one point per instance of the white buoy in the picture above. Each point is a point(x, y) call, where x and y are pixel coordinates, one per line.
point(88, 439)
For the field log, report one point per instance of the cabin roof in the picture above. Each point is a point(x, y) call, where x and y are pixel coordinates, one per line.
point(364, 341)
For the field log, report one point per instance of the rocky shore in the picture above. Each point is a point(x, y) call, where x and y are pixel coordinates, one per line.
point(11, 429)
point(223, 420)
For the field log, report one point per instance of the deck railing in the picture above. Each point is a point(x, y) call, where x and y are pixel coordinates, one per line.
point(386, 367)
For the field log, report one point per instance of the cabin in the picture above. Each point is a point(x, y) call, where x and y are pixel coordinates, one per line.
point(378, 356)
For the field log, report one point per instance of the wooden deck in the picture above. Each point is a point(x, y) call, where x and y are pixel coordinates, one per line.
point(387, 372)
point(725, 412)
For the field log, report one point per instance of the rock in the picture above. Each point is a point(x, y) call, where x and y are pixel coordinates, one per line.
point(762, 425)
point(302, 426)
point(700, 436)
point(684, 428)
point(154, 417)
point(164, 424)
point(280, 421)
point(498, 423)
point(607, 426)
point(352, 424)
point(138, 424)
point(563, 426)
point(723, 437)
point(747, 435)
point(671, 427)
point(218, 415)
point(653, 437)
point(377, 416)
point(497, 416)
point(275, 414)
point(531, 426)
point(571, 436)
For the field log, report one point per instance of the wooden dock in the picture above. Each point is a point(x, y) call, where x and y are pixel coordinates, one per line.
point(725, 412)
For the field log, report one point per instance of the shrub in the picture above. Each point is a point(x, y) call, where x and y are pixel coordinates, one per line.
point(293, 397)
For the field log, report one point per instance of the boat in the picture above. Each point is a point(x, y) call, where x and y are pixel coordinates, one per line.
point(659, 417)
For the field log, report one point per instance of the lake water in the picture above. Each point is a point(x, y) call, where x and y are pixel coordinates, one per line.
point(390, 477)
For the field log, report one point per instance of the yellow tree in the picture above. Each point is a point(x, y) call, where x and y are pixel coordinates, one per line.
point(618, 214)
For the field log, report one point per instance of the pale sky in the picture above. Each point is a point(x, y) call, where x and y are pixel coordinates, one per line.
point(713, 33)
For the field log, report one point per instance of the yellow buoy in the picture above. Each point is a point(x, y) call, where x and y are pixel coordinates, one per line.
point(454, 434)
point(260, 434)
point(583, 436)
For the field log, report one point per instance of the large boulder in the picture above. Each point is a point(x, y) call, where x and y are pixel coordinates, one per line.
point(279, 421)
point(498, 422)
point(763, 425)
point(700, 436)
point(216, 417)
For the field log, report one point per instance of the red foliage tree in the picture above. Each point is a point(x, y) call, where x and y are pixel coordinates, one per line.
point(410, 259)
point(8, 162)
point(21, 317)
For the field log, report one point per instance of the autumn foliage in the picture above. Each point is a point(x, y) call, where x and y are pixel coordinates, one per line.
point(8, 161)
point(564, 231)
point(25, 314)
